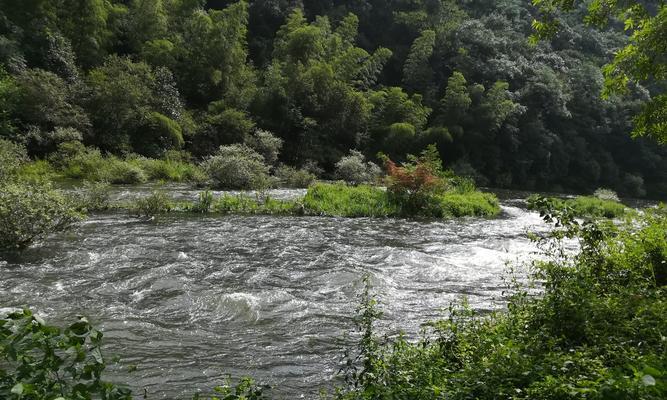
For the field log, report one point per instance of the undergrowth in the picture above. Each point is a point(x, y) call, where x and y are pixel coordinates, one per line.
point(596, 331)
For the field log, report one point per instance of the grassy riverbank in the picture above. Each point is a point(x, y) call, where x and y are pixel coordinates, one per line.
point(583, 206)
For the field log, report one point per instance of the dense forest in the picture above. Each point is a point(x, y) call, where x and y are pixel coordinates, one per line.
point(154, 76)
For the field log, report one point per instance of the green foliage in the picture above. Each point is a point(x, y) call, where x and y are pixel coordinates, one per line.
point(224, 127)
point(340, 200)
point(246, 389)
point(457, 99)
point(209, 55)
point(29, 212)
point(93, 196)
point(237, 167)
point(132, 103)
point(169, 169)
point(89, 164)
point(39, 361)
point(44, 105)
point(266, 144)
point(354, 169)
point(417, 71)
point(158, 134)
point(593, 332)
point(471, 203)
point(203, 204)
point(636, 62)
point(8, 93)
point(12, 157)
point(240, 204)
point(74, 161)
point(311, 95)
point(153, 76)
point(396, 118)
point(155, 204)
point(582, 206)
point(37, 171)
point(400, 137)
point(294, 178)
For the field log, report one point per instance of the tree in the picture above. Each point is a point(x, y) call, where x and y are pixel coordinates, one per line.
point(641, 61)
point(456, 101)
point(88, 25)
point(312, 94)
point(417, 72)
point(211, 53)
point(133, 107)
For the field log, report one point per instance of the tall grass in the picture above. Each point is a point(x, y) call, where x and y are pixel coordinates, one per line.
point(92, 166)
point(368, 201)
point(585, 206)
point(468, 203)
point(341, 200)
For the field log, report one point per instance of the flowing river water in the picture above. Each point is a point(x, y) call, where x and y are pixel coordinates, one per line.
point(190, 299)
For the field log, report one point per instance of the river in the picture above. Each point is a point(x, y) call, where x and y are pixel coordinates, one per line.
point(190, 299)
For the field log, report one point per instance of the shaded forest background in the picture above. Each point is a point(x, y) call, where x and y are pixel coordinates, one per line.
point(157, 76)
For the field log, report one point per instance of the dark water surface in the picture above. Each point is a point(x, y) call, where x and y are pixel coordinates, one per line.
point(190, 299)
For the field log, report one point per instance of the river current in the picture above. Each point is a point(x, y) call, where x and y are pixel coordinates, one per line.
point(190, 299)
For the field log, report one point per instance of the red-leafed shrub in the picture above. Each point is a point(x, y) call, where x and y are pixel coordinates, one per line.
point(414, 184)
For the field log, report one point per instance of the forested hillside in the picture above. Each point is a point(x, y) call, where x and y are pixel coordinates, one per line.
point(154, 76)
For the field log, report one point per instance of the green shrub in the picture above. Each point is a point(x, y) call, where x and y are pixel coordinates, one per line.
point(294, 178)
point(119, 171)
point(28, 212)
point(400, 138)
point(12, 157)
point(37, 171)
point(48, 142)
point(75, 161)
point(266, 144)
point(587, 206)
point(204, 204)
point(158, 133)
point(39, 361)
point(221, 126)
point(237, 167)
point(169, 170)
point(150, 206)
point(582, 206)
point(93, 196)
point(341, 200)
point(354, 169)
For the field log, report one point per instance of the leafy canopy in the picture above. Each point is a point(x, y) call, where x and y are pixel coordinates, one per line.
point(642, 60)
